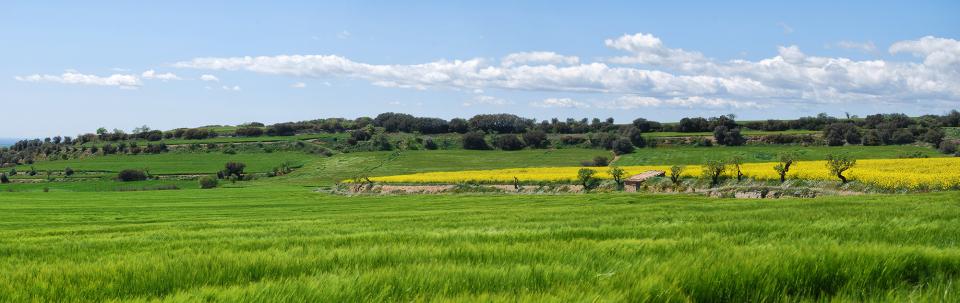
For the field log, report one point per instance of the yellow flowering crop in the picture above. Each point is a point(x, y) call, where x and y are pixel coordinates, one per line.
point(925, 173)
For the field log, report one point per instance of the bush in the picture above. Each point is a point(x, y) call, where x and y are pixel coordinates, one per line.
point(572, 140)
point(248, 131)
point(4, 179)
point(207, 182)
point(703, 142)
point(934, 136)
point(622, 146)
point(429, 144)
point(475, 140)
point(281, 129)
point(728, 137)
point(713, 169)
point(599, 161)
point(68, 171)
point(536, 139)
point(234, 169)
point(948, 147)
point(508, 142)
point(903, 136)
point(129, 175)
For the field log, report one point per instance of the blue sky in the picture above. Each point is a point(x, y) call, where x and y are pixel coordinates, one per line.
point(70, 67)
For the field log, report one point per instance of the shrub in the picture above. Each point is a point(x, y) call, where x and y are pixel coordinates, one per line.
point(234, 169)
point(281, 129)
point(508, 142)
point(68, 171)
point(872, 138)
point(13, 171)
point(903, 136)
point(635, 136)
point(536, 139)
point(4, 179)
point(703, 142)
point(622, 146)
point(675, 172)
point(586, 178)
point(475, 140)
point(839, 163)
point(934, 136)
point(429, 144)
point(128, 175)
point(207, 182)
point(572, 140)
point(249, 131)
point(381, 142)
point(946, 147)
point(600, 161)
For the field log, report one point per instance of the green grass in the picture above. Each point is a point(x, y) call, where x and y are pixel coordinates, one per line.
point(278, 245)
point(174, 162)
point(765, 153)
point(97, 185)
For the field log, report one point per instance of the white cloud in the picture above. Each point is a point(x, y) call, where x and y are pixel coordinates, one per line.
point(648, 49)
point(230, 88)
point(538, 57)
point(633, 102)
point(674, 77)
point(73, 77)
point(937, 52)
point(211, 78)
point(559, 103)
point(298, 85)
point(485, 100)
point(867, 47)
point(151, 74)
point(343, 34)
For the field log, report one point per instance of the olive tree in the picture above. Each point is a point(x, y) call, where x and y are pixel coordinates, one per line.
point(675, 172)
point(587, 179)
point(783, 167)
point(617, 174)
point(839, 163)
point(713, 169)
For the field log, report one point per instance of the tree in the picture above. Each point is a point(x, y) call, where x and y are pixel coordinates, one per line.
point(728, 136)
point(617, 174)
point(234, 169)
point(249, 131)
point(508, 142)
point(635, 136)
point(736, 162)
point(839, 163)
point(675, 172)
point(475, 140)
point(128, 175)
point(586, 178)
point(713, 169)
point(785, 161)
point(459, 125)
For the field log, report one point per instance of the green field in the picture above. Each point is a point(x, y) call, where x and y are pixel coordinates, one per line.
point(175, 162)
point(330, 170)
point(766, 153)
point(278, 245)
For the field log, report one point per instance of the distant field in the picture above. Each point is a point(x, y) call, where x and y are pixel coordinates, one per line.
point(175, 162)
point(326, 171)
point(746, 133)
point(269, 244)
point(765, 153)
point(98, 185)
point(231, 140)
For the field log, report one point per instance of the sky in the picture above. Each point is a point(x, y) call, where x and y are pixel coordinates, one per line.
point(73, 66)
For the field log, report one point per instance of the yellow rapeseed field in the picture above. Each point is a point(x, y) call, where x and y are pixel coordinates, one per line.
point(926, 173)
